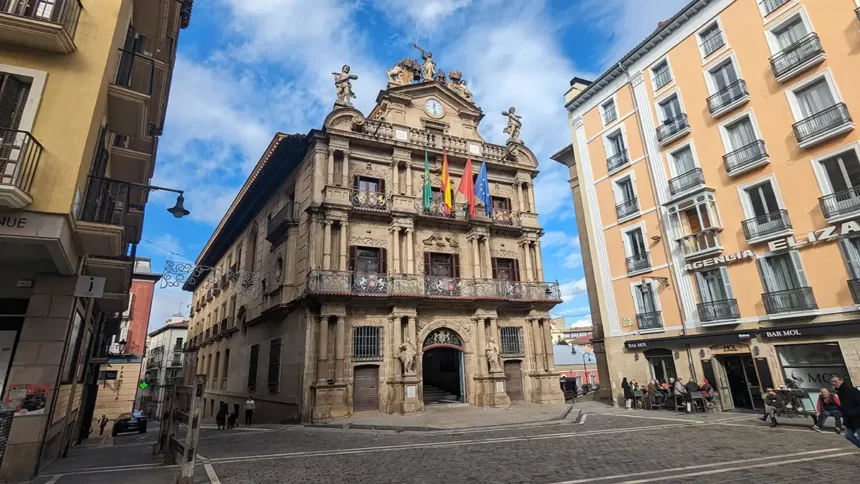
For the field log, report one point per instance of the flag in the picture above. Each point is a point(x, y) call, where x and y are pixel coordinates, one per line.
point(482, 188)
point(428, 188)
point(446, 184)
point(467, 186)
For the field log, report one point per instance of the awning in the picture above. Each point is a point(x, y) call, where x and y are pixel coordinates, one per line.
point(706, 339)
point(809, 330)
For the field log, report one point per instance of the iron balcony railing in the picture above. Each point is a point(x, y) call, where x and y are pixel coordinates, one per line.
point(651, 320)
point(503, 216)
point(790, 300)
point(610, 114)
point(443, 286)
point(713, 43)
point(743, 157)
point(63, 12)
point(176, 361)
point(671, 127)
point(280, 222)
point(691, 179)
point(727, 96)
point(370, 283)
point(109, 201)
point(854, 286)
point(638, 262)
point(19, 158)
point(437, 209)
point(796, 54)
point(822, 122)
point(719, 310)
point(770, 5)
point(841, 203)
point(627, 207)
point(371, 200)
point(617, 160)
point(136, 72)
point(707, 240)
point(767, 224)
point(662, 78)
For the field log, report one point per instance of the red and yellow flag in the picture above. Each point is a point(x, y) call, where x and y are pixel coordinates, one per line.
point(446, 184)
point(467, 186)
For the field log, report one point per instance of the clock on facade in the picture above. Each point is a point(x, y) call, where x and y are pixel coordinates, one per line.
point(434, 108)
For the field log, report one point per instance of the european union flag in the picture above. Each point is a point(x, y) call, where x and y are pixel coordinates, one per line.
point(482, 188)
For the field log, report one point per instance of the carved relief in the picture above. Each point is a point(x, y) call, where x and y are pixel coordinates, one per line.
point(504, 254)
point(441, 243)
point(368, 169)
point(368, 242)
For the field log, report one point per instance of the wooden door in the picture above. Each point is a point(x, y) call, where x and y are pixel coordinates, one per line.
point(365, 393)
point(722, 385)
point(514, 380)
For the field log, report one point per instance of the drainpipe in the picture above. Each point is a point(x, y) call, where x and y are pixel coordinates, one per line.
point(663, 227)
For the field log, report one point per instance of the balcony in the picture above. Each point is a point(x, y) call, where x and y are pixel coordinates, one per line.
point(701, 243)
point(767, 226)
point(854, 286)
point(845, 203)
point(130, 94)
point(19, 158)
point(176, 361)
point(627, 208)
point(609, 115)
point(727, 309)
point(713, 43)
point(48, 25)
point(649, 321)
point(278, 226)
point(745, 159)
point(791, 300)
point(639, 263)
point(692, 179)
point(505, 217)
point(769, 6)
point(437, 209)
point(616, 161)
point(728, 98)
point(368, 200)
point(111, 216)
point(797, 57)
point(662, 78)
point(672, 129)
point(823, 125)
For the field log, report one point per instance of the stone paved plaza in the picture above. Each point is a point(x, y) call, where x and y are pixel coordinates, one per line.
point(605, 446)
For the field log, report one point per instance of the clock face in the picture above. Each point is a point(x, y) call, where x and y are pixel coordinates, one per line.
point(433, 107)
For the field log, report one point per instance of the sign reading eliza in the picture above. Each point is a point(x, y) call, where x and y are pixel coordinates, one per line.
point(827, 234)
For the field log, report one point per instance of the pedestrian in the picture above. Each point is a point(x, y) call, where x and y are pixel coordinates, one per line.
point(231, 420)
point(774, 403)
point(691, 387)
point(221, 416)
point(102, 424)
point(828, 406)
point(849, 399)
point(250, 406)
point(628, 393)
point(681, 392)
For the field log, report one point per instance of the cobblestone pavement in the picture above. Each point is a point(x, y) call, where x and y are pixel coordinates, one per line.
point(608, 447)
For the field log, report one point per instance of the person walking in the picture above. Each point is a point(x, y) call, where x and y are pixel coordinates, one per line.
point(849, 399)
point(774, 403)
point(250, 406)
point(102, 424)
point(221, 416)
point(828, 406)
point(628, 393)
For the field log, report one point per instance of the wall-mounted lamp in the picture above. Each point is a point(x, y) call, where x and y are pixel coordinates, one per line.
point(701, 353)
point(636, 356)
point(756, 351)
point(677, 355)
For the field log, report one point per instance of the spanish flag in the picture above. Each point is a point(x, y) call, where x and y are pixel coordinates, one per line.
point(446, 184)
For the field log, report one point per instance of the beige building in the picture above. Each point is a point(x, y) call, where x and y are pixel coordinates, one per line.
point(717, 170)
point(332, 286)
point(83, 92)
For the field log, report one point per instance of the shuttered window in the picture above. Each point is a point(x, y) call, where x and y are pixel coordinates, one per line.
point(506, 269)
point(13, 98)
point(274, 365)
point(441, 265)
point(368, 260)
point(252, 368)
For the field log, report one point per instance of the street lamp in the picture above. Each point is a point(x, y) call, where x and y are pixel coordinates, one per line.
point(122, 344)
point(178, 210)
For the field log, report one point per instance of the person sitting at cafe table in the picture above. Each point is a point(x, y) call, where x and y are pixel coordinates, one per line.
point(774, 403)
point(679, 390)
point(654, 393)
point(828, 406)
point(706, 389)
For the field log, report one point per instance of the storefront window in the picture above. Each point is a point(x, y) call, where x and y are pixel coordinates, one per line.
point(809, 367)
point(662, 365)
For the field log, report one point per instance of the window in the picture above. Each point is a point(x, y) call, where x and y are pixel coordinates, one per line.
point(839, 178)
point(441, 265)
point(252, 368)
point(790, 32)
point(214, 380)
point(637, 252)
point(647, 305)
point(764, 209)
point(506, 269)
point(762, 199)
point(616, 151)
point(814, 98)
point(662, 365)
point(711, 39)
point(671, 108)
point(683, 160)
point(610, 114)
point(851, 252)
point(274, 365)
point(252, 247)
point(369, 185)
point(744, 148)
point(366, 343)
point(367, 260)
point(224, 374)
point(784, 280)
point(645, 300)
point(769, 6)
point(512, 341)
point(697, 224)
point(501, 204)
point(740, 133)
point(627, 203)
point(14, 91)
point(661, 74)
point(727, 88)
point(717, 300)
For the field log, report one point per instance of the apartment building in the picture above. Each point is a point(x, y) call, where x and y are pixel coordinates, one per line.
point(338, 282)
point(83, 92)
point(162, 366)
point(719, 169)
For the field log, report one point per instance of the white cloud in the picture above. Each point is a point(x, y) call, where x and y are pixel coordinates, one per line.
point(572, 260)
point(165, 245)
point(166, 303)
point(581, 322)
point(424, 15)
point(571, 289)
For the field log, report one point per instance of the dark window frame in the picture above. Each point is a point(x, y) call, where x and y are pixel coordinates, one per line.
point(253, 367)
point(273, 378)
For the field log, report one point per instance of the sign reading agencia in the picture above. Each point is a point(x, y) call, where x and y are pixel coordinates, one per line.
point(827, 234)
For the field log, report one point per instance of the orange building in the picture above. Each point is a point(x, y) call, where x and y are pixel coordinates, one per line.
point(719, 176)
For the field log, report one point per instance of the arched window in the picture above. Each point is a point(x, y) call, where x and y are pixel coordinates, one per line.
point(217, 365)
point(226, 366)
point(252, 247)
point(240, 317)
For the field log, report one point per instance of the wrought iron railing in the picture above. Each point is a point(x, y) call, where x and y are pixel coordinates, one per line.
point(610, 114)
point(371, 200)
point(662, 78)
point(748, 155)
point(692, 178)
point(800, 299)
point(136, 72)
point(277, 226)
point(651, 320)
point(822, 122)
point(370, 283)
point(109, 201)
point(796, 54)
point(770, 5)
point(671, 127)
point(767, 224)
point(176, 361)
point(437, 209)
point(638, 262)
point(63, 12)
point(443, 286)
point(367, 343)
point(503, 216)
point(843, 202)
point(701, 242)
point(854, 286)
point(617, 160)
point(714, 42)
point(627, 207)
point(727, 95)
point(511, 343)
point(719, 310)
point(19, 158)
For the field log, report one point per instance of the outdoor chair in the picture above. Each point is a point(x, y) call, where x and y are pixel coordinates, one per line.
point(637, 399)
point(656, 401)
point(699, 402)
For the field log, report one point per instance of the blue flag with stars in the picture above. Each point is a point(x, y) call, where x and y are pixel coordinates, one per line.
point(482, 188)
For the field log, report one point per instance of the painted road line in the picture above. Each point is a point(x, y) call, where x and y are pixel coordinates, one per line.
point(101, 470)
point(663, 472)
point(54, 479)
point(200, 457)
point(582, 420)
point(766, 426)
point(213, 478)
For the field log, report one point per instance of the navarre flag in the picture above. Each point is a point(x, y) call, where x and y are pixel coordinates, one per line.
point(446, 184)
point(467, 186)
point(482, 188)
point(428, 187)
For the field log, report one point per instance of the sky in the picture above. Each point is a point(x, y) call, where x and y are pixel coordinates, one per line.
point(247, 69)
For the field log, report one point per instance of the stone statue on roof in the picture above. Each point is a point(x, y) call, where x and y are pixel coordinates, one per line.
point(514, 125)
point(458, 85)
point(428, 64)
point(344, 86)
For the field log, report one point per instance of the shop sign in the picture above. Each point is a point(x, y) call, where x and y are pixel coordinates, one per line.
point(782, 333)
point(827, 234)
point(27, 398)
point(13, 222)
point(721, 260)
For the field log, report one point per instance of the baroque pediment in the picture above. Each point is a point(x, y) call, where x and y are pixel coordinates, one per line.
point(406, 95)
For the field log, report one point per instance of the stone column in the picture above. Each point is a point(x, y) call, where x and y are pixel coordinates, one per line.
point(312, 242)
point(326, 245)
point(395, 232)
point(322, 357)
point(345, 170)
point(411, 334)
point(396, 336)
point(481, 349)
point(395, 176)
point(329, 177)
point(539, 340)
point(520, 198)
point(476, 258)
point(547, 339)
point(528, 253)
point(494, 331)
point(343, 245)
point(409, 177)
point(538, 261)
point(340, 346)
point(488, 259)
point(531, 190)
point(410, 252)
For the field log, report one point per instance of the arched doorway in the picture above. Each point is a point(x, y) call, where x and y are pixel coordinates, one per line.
point(442, 367)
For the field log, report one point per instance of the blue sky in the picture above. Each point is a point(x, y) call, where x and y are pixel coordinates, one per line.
point(249, 68)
